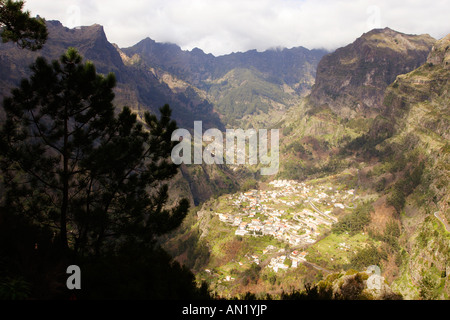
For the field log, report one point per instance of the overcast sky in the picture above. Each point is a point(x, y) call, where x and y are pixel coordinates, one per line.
point(225, 26)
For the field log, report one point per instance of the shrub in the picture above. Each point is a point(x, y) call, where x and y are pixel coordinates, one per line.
point(355, 221)
point(249, 184)
point(365, 257)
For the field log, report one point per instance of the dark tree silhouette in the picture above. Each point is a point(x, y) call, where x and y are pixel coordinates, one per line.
point(71, 164)
point(17, 26)
point(83, 183)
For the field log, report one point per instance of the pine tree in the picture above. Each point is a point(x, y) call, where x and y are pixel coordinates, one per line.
point(17, 26)
point(70, 163)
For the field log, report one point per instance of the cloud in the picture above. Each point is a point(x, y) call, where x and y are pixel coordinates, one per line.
point(224, 26)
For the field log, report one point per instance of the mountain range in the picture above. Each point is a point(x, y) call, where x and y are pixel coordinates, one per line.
point(240, 89)
point(196, 85)
point(352, 80)
point(376, 121)
point(372, 116)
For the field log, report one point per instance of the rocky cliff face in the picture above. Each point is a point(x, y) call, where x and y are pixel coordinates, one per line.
point(237, 84)
point(295, 66)
point(427, 84)
point(413, 106)
point(198, 86)
point(352, 80)
point(418, 104)
point(138, 88)
point(90, 41)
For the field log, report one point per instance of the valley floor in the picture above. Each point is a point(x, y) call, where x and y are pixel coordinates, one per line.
point(281, 232)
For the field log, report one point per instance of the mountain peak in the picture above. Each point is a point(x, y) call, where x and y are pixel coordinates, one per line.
point(384, 30)
point(55, 23)
point(440, 53)
point(94, 28)
point(151, 46)
point(90, 41)
point(58, 31)
point(395, 40)
point(147, 40)
point(353, 78)
point(197, 51)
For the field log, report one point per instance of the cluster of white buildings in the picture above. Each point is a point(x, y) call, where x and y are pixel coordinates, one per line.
point(278, 263)
point(343, 246)
point(270, 212)
point(271, 221)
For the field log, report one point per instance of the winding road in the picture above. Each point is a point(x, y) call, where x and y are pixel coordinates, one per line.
point(316, 266)
point(447, 227)
point(322, 213)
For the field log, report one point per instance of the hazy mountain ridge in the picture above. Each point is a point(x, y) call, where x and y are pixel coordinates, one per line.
point(145, 86)
point(151, 74)
point(421, 99)
point(138, 88)
point(236, 84)
point(142, 89)
point(290, 66)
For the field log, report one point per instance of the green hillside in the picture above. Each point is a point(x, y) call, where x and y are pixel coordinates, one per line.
point(243, 92)
point(397, 163)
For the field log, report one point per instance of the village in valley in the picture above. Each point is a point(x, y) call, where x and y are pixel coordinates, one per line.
point(294, 213)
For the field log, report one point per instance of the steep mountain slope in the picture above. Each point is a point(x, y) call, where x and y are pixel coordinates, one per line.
point(291, 66)
point(245, 92)
point(346, 101)
point(138, 88)
point(402, 159)
point(163, 73)
point(238, 84)
point(377, 121)
point(394, 153)
point(191, 66)
point(421, 100)
point(352, 80)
